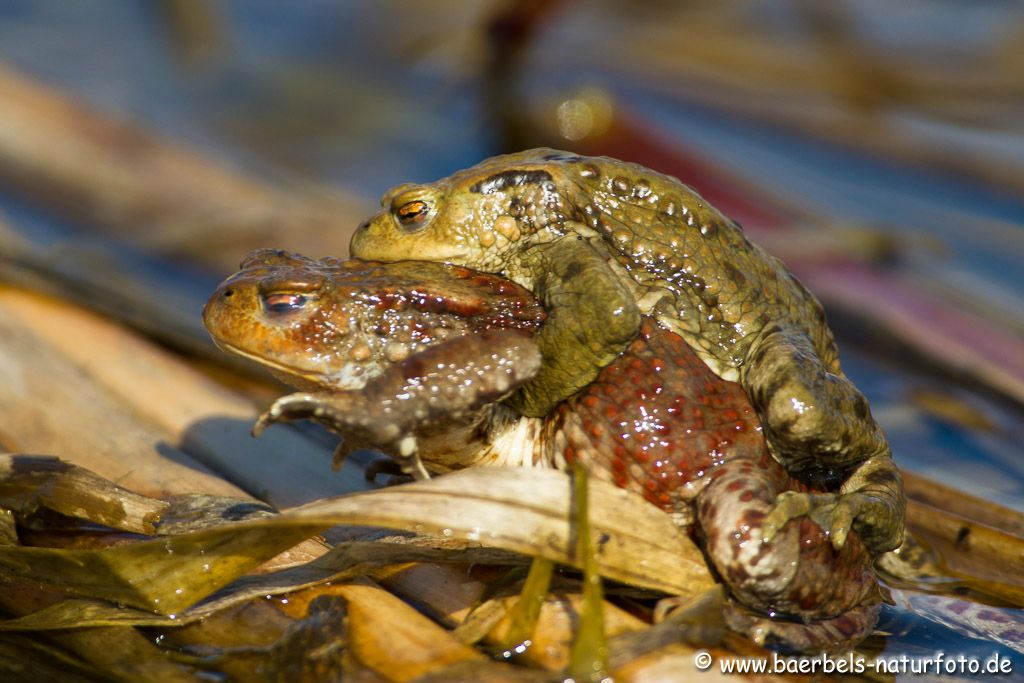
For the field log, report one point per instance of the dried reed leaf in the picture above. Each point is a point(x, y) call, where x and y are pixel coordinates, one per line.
point(985, 558)
point(344, 562)
point(528, 511)
point(956, 502)
point(103, 397)
point(165, 575)
point(29, 482)
point(523, 511)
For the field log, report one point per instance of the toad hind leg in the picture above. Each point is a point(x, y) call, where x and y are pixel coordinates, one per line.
point(818, 425)
point(592, 317)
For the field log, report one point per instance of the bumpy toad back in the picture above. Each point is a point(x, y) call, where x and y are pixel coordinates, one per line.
point(688, 265)
point(603, 243)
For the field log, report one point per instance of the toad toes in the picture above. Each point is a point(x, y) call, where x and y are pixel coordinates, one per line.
point(359, 336)
point(416, 357)
point(602, 243)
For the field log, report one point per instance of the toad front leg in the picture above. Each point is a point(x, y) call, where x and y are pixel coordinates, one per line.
point(440, 385)
point(592, 318)
point(820, 428)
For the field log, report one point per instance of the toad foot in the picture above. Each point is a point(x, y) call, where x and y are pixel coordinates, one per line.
point(337, 412)
point(870, 501)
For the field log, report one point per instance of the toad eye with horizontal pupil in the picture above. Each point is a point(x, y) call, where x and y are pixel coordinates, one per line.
point(284, 302)
point(413, 213)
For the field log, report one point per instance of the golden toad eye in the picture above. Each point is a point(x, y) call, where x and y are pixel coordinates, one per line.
point(284, 302)
point(414, 213)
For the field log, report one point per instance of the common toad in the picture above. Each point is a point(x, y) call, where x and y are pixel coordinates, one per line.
point(603, 243)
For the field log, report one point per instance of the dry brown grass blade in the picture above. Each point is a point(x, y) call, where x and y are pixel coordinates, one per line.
point(344, 562)
point(115, 404)
point(665, 651)
point(52, 405)
point(527, 511)
point(975, 541)
point(26, 658)
point(523, 511)
point(148, 571)
point(31, 482)
point(955, 501)
point(986, 558)
point(124, 654)
point(446, 592)
point(120, 177)
point(165, 575)
point(104, 653)
point(379, 631)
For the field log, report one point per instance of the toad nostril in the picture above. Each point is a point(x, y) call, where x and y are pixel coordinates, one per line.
point(228, 292)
